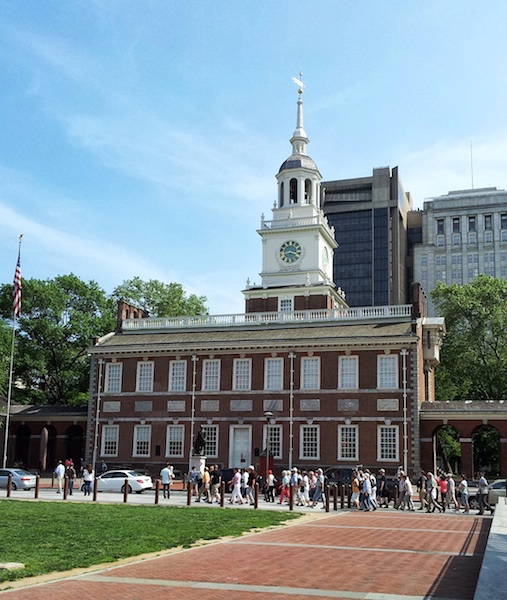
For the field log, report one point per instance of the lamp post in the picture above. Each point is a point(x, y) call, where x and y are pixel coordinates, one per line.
point(192, 415)
point(292, 356)
point(97, 415)
point(269, 415)
point(404, 354)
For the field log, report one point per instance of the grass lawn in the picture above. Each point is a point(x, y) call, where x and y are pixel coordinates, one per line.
point(55, 536)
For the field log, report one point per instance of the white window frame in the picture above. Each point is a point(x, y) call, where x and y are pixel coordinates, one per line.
point(391, 374)
point(144, 381)
point(242, 374)
point(211, 374)
point(172, 442)
point(394, 443)
point(348, 437)
point(137, 440)
point(110, 435)
point(112, 384)
point(269, 384)
point(275, 439)
point(346, 374)
point(304, 430)
point(177, 376)
point(310, 373)
point(211, 444)
point(286, 305)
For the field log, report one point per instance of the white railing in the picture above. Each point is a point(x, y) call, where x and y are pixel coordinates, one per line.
point(300, 316)
point(298, 222)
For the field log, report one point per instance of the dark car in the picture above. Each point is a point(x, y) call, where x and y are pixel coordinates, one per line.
point(338, 475)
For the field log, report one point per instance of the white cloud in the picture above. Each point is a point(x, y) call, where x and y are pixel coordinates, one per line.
point(447, 165)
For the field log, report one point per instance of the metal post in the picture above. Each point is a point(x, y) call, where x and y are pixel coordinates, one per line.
point(292, 356)
point(269, 415)
point(404, 353)
point(192, 415)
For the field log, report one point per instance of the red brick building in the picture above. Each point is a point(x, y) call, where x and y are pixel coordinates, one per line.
point(301, 373)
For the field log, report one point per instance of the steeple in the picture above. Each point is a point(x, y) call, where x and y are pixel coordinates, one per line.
point(299, 140)
point(298, 177)
point(297, 244)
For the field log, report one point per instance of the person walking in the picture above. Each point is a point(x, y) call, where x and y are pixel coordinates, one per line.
point(408, 492)
point(270, 483)
point(483, 494)
point(450, 495)
point(88, 476)
point(59, 474)
point(431, 493)
point(216, 480)
point(463, 494)
point(236, 488)
point(383, 491)
point(166, 478)
point(70, 473)
point(421, 488)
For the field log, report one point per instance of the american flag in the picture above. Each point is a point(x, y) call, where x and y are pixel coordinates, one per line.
point(17, 287)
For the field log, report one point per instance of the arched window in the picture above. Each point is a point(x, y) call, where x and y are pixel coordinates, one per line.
point(486, 449)
point(23, 435)
point(293, 191)
point(448, 449)
point(308, 191)
point(280, 198)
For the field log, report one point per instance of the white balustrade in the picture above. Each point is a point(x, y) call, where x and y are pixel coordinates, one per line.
point(403, 311)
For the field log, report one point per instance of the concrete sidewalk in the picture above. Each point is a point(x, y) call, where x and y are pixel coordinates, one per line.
point(342, 555)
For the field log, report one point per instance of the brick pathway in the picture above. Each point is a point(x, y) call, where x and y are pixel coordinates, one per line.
point(347, 555)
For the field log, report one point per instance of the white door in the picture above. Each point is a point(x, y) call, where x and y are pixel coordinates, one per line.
point(240, 449)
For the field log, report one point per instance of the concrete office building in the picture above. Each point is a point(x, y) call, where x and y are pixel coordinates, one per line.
point(463, 234)
point(369, 216)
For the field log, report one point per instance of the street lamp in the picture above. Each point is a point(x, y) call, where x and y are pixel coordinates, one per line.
point(192, 416)
point(404, 354)
point(269, 415)
point(292, 356)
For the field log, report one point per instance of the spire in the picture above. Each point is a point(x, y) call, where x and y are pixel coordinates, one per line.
point(299, 140)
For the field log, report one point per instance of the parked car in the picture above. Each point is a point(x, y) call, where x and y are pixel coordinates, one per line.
point(114, 481)
point(340, 476)
point(21, 479)
point(496, 489)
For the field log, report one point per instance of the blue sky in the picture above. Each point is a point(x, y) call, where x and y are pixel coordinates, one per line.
point(143, 137)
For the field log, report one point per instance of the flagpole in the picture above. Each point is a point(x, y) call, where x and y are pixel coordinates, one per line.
point(16, 310)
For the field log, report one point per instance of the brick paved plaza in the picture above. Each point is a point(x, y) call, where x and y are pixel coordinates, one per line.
point(376, 556)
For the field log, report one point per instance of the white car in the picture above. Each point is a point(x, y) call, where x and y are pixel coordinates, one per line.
point(114, 481)
point(21, 479)
point(496, 490)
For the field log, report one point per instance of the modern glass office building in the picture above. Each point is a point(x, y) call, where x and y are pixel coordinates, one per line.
point(369, 215)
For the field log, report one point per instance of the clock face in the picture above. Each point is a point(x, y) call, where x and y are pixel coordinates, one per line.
point(290, 251)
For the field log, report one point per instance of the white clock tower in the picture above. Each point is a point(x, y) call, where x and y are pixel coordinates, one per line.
point(297, 244)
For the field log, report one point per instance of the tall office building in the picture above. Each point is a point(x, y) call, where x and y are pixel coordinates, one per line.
point(464, 234)
point(369, 215)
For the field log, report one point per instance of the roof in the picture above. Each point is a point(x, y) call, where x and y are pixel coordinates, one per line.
point(259, 337)
point(46, 411)
point(296, 161)
point(471, 407)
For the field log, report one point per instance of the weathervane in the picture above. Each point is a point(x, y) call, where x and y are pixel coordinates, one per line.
point(299, 82)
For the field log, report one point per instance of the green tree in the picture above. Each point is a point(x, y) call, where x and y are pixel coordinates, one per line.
point(449, 449)
point(160, 299)
point(59, 320)
point(474, 350)
point(5, 356)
